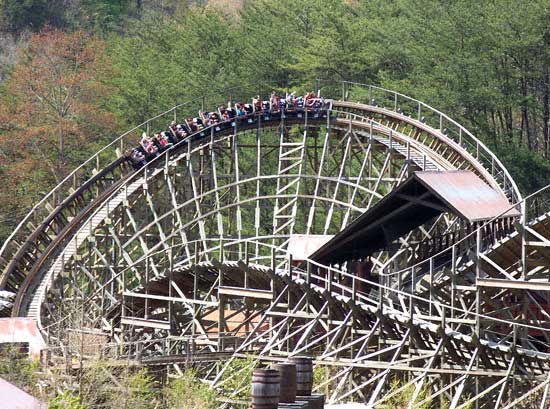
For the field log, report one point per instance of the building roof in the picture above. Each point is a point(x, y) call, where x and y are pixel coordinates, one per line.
point(22, 330)
point(466, 195)
point(301, 246)
point(15, 398)
point(423, 196)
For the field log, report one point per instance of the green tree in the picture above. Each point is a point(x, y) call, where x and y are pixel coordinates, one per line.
point(101, 16)
point(65, 400)
point(188, 392)
point(164, 61)
point(101, 384)
point(16, 367)
point(138, 391)
point(483, 63)
point(52, 116)
point(17, 15)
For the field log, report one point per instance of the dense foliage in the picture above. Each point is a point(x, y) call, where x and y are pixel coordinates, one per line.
point(189, 393)
point(17, 368)
point(76, 71)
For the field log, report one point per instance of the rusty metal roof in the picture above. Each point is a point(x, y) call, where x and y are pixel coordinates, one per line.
point(301, 246)
point(466, 195)
point(15, 398)
point(423, 196)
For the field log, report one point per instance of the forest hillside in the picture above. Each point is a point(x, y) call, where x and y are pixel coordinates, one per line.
point(74, 74)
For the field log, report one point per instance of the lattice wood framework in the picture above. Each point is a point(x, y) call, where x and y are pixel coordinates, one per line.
point(187, 258)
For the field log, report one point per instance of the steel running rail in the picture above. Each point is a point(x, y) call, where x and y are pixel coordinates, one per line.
point(401, 103)
point(129, 178)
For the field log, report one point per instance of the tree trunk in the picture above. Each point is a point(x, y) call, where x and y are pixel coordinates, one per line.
point(546, 115)
point(61, 164)
point(525, 129)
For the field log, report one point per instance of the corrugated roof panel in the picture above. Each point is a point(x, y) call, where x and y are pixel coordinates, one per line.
point(301, 246)
point(417, 200)
point(15, 398)
point(466, 194)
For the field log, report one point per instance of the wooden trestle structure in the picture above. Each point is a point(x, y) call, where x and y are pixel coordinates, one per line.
point(187, 261)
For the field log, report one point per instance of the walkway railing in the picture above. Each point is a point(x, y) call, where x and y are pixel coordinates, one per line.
point(86, 171)
point(403, 104)
point(106, 155)
point(394, 293)
point(534, 206)
point(182, 348)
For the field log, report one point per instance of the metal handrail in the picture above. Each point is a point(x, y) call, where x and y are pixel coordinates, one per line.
point(463, 137)
point(71, 177)
point(324, 107)
point(70, 180)
point(329, 280)
point(96, 157)
point(522, 205)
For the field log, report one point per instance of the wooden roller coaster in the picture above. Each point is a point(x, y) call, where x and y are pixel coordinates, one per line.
point(207, 254)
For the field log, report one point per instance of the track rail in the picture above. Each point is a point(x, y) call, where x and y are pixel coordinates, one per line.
point(26, 252)
point(187, 266)
point(422, 112)
point(28, 280)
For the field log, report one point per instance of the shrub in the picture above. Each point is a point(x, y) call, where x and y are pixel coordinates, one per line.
point(65, 400)
point(188, 392)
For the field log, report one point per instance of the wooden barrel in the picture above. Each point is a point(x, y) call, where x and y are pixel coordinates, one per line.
point(265, 389)
point(287, 372)
point(304, 375)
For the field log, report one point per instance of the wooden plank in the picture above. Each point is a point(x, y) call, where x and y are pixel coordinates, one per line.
point(141, 322)
point(437, 319)
point(166, 298)
point(299, 314)
point(538, 243)
point(245, 292)
point(513, 284)
point(465, 287)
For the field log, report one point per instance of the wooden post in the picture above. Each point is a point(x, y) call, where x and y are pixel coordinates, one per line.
point(195, 294)
point(353, 286)
point(523, 240)
point(170, 284)
point(273, 268)
point(247, 262)
point(478, 273)
point(411, 300)
point(453, 282)
point(146, 315)
point(431, 262)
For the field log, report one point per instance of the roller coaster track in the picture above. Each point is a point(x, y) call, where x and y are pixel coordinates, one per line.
point(19, 252)
point(195, 245)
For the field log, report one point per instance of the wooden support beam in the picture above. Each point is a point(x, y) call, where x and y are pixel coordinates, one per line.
point(513, 284)
point(167, 298)
point(299, 314)
point(141, 322)
point(245, 292)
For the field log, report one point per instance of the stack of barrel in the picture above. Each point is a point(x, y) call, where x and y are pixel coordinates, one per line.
point(287, 385)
